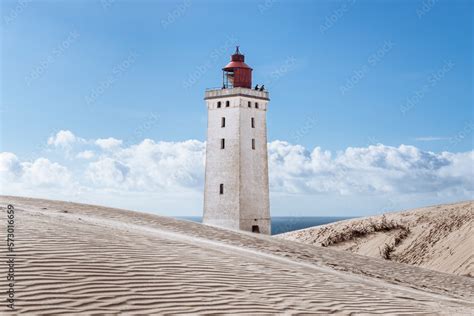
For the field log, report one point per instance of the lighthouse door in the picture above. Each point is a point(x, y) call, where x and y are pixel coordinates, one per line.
point(255, 229)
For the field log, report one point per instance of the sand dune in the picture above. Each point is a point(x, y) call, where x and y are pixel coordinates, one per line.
point(84, 259)
point(438, 237)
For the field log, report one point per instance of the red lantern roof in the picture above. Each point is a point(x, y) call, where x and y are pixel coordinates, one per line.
point(237, 61)
point(235, 64)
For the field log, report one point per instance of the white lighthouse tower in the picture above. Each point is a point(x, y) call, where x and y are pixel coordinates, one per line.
point(236, 190)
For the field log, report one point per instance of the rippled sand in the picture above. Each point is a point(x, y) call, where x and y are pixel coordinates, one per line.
point(82, 259)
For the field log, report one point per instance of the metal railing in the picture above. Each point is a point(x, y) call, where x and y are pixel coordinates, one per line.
point(216, 88)
point(230, 87)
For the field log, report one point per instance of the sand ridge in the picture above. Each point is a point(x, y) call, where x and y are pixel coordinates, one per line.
point(75, 258)
point(438, 237)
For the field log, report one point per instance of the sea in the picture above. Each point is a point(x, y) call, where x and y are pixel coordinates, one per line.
point(283, 224)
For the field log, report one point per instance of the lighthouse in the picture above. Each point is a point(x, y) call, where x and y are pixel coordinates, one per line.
point(236, 194)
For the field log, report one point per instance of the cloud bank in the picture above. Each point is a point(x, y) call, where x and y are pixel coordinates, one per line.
point(174, 169)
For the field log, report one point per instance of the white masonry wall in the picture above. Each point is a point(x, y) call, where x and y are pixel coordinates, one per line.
point(242, 170)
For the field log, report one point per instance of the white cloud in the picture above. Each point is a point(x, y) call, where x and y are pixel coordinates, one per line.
point(63, 138)
point(108, 143)
point(107, 172)
point(41, 172)
point(86, 154)
point(150, 166)
point(430, 138)
point(368, 170)
point(173, 171)
point(460, 171)
point(10, 167)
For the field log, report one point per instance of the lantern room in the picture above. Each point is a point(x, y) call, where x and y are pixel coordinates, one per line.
point(237, 73)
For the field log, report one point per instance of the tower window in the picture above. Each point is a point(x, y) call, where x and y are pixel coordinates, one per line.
point(219, 104)
point(223, 122)
point(253, 143)
point(221, 188)
point(252, 122)
point(227, 103)
point(222, 143)
point(250, 104)
point(256, 105)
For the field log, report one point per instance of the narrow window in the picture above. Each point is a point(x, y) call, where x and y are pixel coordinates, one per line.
point(219, 104)
point(252, 122)
point(223, 122)
point(250, 104)
point(222, 143)
point(253, 143)
point(221, 188)
point(227, 103)
point(256, 105)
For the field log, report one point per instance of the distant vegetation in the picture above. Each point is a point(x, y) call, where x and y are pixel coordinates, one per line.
point(362, 230)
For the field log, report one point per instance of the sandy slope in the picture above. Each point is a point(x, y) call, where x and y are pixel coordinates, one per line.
point(438, 237)
point(83, 259)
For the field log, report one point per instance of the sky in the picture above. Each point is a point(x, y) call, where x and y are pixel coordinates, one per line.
point(371, 101)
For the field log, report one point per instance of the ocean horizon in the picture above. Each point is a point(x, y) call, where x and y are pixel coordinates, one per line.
point(284, 224)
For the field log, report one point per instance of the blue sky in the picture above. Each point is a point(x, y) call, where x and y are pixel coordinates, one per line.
point(341, 74)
